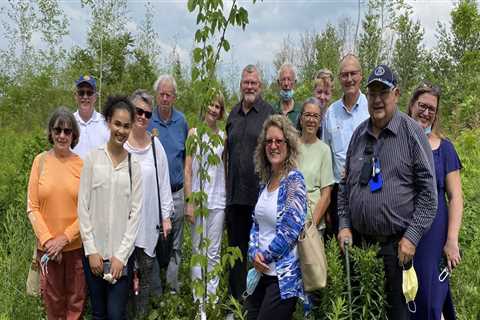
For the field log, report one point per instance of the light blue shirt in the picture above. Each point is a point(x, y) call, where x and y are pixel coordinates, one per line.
point(337, 129)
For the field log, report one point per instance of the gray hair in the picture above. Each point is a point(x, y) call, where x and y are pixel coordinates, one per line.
point(165, 78)
point(262, 166)
point(315, 102)
point(143, 95)
point(251, 69)
point(287, 66)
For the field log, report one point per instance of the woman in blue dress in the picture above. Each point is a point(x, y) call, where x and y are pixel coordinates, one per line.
point(439, 247)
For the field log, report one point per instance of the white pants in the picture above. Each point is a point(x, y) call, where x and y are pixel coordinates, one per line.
point(213, 231)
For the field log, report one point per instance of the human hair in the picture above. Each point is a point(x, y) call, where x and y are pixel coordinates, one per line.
point(220, 99)
point(323, 82)
point(165, 78)
point(64, 118)
point(287, 66)
point(250, 68)
point(315, 102)
point(114, 103)
point(262, 166)
point(429, 88)
point(349, 56)
point(324, 74)
point(143, 95)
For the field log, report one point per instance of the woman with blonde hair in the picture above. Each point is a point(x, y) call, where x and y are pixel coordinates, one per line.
point(278, 219)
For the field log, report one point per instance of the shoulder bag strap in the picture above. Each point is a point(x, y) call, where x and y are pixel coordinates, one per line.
point(158, 184)
point(130, 177)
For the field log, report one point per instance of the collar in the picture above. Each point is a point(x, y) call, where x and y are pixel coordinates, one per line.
point(257, 104)
point(174, 117)
point(355, 106)
point(296, 107)
point(96, 117)
point(122, 164)
point(393, 125)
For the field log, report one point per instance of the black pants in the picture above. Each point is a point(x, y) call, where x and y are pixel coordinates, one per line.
point(239, 223)
point(397, 307)
point(332, 211)
point(266, 304)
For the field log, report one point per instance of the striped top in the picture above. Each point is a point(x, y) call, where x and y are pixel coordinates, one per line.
point(407, 201)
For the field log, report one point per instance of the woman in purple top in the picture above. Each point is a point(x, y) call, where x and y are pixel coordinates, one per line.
point(438, 248)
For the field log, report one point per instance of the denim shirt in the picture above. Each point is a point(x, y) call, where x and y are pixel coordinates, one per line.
point(292, 209)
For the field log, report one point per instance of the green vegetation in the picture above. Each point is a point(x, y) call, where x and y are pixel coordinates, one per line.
point(35, 81)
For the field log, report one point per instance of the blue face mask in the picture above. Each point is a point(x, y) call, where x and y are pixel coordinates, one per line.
point(253, 277)
point(427, 130)
point(286, 95)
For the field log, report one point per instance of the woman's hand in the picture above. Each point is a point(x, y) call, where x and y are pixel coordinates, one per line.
point(259, 263)
point(116, 268)
point(452, 252)
point(96, 264)
point(167, 227)
point(190, 214)
point(55, 246)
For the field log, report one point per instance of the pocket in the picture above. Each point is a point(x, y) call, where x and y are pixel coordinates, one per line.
point(99, 178)
point(337, 140)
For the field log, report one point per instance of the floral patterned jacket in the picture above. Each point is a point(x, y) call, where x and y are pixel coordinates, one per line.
point(291, 209)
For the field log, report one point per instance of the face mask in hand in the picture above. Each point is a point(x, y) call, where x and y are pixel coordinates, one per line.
point(253, 277)
point(410, 287)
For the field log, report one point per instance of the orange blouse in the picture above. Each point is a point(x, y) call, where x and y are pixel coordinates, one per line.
point(52, 199)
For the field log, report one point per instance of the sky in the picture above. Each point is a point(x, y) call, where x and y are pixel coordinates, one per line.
point(270, 22)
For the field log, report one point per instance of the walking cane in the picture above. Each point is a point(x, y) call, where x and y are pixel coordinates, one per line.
point(346, 244)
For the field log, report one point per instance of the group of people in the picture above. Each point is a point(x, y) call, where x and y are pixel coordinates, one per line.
point(115, 184)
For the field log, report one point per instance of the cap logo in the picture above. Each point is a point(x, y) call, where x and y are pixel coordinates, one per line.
point(87, 78)
point(379, 71)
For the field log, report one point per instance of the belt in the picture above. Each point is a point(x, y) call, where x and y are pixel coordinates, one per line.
point(177, 188)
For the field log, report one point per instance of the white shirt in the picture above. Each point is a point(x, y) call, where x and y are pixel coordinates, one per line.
point(266, 216)
point(337, 129)
point(149, 228)
point(93, 133)
point(215, 188)
point(108, 211)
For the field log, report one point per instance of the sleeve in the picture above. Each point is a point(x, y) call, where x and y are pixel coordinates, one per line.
point(33, 204)
point(451, 159)
point(253, 242)
point(344, 219)
point(84, 214)
point(164, 181)
point(127, 245)
point(326, 169)
point(425, 187)
point(325, 132)
point(292, 220)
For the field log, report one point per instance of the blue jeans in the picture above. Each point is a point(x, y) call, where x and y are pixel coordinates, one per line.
point(108, 301)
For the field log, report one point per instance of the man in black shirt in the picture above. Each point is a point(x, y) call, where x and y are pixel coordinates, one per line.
point(243, 128)
point(388, 194)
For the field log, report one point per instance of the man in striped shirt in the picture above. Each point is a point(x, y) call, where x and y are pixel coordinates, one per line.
point(388, 194)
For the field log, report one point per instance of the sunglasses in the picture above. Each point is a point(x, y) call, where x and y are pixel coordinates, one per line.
point(87, 93)
point(140, 112)
point(66, 131)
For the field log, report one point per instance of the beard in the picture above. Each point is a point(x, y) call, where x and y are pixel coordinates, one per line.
point(249, 98)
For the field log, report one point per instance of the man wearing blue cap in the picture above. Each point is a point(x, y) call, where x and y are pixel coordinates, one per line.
point(93, 129)
point(388, 194)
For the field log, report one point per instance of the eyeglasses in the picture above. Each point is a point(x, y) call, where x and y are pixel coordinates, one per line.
point(308, 115)
point(351, 74)
point(66, 131)
point(278, 142)
point(83, 93)
point(382, 94)
point(422, 107)
point(140, 112)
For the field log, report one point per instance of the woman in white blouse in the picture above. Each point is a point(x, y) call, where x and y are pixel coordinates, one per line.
point(139, 143)
point(109, 203)
point(212, 225)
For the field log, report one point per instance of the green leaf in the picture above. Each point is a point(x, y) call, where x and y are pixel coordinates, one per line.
point(226, 45)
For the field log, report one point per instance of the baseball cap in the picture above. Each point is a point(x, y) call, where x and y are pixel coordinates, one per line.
point(88, 80)
point(384, 75)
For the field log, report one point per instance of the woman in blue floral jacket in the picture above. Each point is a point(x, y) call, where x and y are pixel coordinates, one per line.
point(278, 218)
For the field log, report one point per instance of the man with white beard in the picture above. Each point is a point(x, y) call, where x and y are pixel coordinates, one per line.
point(243, 128)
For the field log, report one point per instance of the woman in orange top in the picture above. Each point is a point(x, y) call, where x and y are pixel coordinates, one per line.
point(52, 210)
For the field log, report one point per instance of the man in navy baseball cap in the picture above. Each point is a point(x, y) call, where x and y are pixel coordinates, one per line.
point(87, 79)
